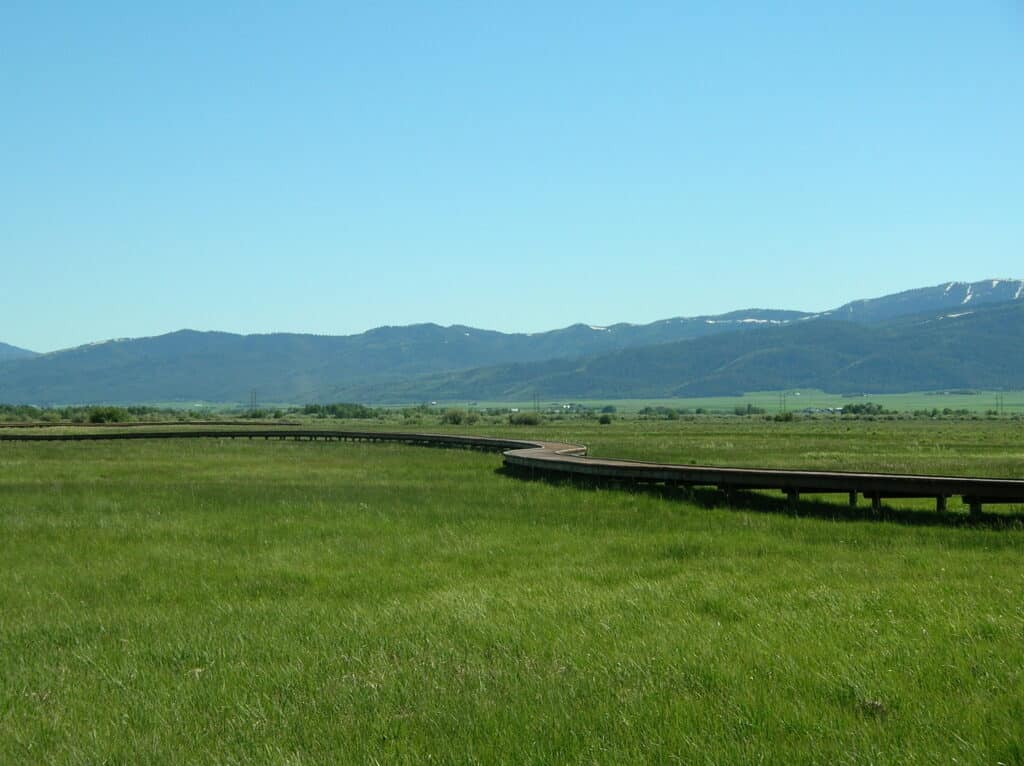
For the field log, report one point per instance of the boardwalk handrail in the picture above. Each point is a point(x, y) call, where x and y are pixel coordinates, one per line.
point(561, 458)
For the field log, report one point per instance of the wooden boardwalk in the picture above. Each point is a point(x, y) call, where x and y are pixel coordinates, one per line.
point(570, 460)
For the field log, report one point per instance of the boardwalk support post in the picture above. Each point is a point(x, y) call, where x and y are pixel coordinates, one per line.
point(853, 499)
point(940, 504)
point(793, 496)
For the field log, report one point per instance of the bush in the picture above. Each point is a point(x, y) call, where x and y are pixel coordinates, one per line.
point(453, 417)
point(748, 410)
point(605, 419)
point(107, 415)
point(609, 409)
point(524, 419)
point(666, 413)
point(340, 410)
point(865, 408)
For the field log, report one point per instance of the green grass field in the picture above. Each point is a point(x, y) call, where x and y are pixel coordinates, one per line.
point(278, 602)
point(979, 402)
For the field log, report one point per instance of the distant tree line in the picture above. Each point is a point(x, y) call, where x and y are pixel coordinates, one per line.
point(347, 410)
point(24, 413)
point(749, 409)
point(935, 412)
point(865, 408)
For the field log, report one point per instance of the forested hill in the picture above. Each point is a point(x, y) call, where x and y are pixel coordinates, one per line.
point(962, 336)
point(13, 352)
point(978, 349)
point(223, 367)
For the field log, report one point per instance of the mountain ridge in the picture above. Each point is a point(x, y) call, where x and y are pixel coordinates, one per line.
point(192, 365)
point(8, 351)
point(968, 351)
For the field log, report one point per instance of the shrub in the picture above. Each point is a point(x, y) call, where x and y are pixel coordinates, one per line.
point(748, 410)
point(453, 417)
point(108, 415)
point(340, 410)
point(524, 419)
point(865, 408)
point(605, 419)
point(666, 413)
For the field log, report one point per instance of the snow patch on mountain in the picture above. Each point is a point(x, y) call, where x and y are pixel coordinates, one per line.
point(747, 320)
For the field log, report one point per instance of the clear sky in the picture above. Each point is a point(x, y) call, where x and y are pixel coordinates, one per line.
point(329, 167)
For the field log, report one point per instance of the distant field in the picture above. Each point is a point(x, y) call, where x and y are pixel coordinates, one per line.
point(280, 602)
point(796, 400)
point(949, 447)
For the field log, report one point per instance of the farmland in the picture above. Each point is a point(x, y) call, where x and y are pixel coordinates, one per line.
point(976, 402)
point(297, 603)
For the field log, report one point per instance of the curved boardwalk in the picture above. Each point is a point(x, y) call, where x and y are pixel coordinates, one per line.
point(557, 458)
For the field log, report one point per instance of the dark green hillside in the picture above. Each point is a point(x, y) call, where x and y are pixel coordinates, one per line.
point(863, 346)
point(8, 352)
point(217, 366)
point(970, 350)
point(224, 367)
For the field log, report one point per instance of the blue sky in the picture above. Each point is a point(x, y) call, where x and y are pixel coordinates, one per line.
point(331, 167)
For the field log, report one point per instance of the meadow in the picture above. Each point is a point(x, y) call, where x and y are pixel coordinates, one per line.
point(978, 402)
point(279, 602)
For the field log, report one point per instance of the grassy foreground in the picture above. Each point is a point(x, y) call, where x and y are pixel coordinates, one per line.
point(310, 603)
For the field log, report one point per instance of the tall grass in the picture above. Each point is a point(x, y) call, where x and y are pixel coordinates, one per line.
point(308, 603)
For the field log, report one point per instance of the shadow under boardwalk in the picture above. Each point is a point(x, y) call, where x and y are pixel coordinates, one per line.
point(762, 502)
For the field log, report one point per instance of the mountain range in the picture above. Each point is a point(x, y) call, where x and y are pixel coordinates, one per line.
point(13, 352)
point(952, 335)
point(925, 352)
